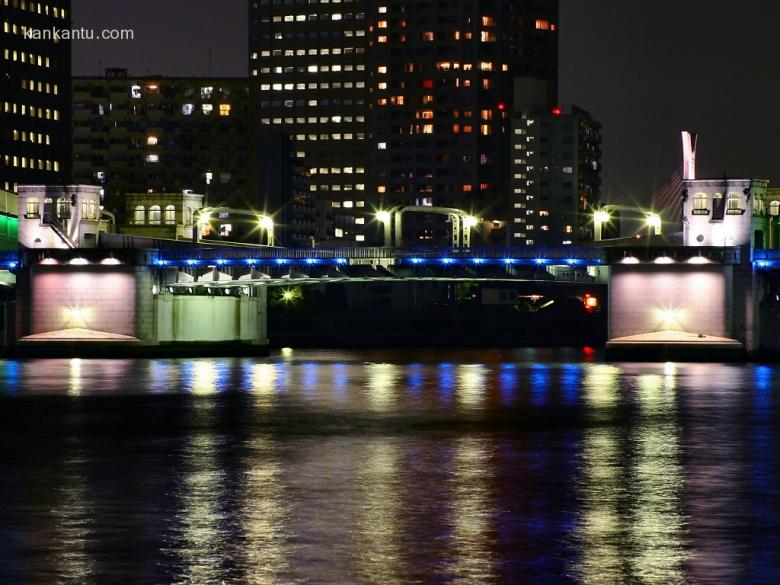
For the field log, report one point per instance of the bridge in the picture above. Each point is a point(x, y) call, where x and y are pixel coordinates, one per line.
point(715, 288)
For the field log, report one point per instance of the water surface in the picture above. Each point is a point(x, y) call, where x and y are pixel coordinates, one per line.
point(474, 466)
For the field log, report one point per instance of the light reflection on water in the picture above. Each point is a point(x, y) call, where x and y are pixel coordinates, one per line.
point(389, 467)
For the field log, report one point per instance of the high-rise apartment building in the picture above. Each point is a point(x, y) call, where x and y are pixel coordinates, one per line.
point(310, 63)
point(400, 103)
point(34, 93)
point(556, 170)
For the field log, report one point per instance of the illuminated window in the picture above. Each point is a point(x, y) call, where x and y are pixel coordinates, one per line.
point(734, 204)
point(152, 158)
point(700, 204)
point(63, 208)
point(33, 208)
point(154, 215)
point(207, 109)
point(224, 109)
point(139, 215)
point(170, 215)
point(542, 25)
point(151, 140)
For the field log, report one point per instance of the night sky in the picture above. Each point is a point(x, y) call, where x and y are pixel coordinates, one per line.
point(645, 70)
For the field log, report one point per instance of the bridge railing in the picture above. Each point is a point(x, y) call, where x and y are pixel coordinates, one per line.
point(563, 253)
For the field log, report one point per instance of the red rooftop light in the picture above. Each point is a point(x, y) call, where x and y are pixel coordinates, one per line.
point(501, 106)
point(556, 111)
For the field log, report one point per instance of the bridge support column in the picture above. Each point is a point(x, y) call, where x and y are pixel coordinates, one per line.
point(745, 303)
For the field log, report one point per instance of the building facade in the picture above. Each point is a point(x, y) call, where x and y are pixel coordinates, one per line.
point(393, 103)
point(727, 212)
point(34, 93)
point(161, 215)
point(556, 172)
point(310, 64)
point(60, 216)
point(160, 134)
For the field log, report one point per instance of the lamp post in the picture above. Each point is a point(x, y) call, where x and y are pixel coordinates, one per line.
point(600, 218)
point(385, 218)
point(469, 221)
point(267, 224)
point(654, 222)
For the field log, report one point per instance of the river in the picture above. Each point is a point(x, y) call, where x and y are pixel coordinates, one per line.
point(408, 466)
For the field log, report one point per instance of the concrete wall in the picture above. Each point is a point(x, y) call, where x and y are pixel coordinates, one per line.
point(648, 298)
point(200, 318)
point(88, 298)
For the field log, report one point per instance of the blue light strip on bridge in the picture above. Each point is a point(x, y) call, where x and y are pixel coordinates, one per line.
point(414, 261)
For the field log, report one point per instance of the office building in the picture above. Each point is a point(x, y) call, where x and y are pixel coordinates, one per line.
point(34, 93)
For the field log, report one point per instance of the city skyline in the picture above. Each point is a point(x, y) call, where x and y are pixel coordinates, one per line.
point(601, 47)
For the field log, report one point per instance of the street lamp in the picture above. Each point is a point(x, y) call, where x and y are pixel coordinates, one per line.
point(384, 217)
point(600, 217)
point(267, 224)
point(653, 221)
point(470, 221)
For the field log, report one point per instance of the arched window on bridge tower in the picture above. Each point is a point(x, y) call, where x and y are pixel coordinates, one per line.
point(33, 209)
point(63, 208)
point(700, 204)
point(154, 215)
point(170, 215)
point(734, 204)
point(139, 215)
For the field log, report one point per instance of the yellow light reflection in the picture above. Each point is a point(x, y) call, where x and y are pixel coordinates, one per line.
point(631, 527)
point(264, 384)
point(471, 385)
point(204, 378)
point(72, 525)
point(379, 530)
point(264, 514)
point(382, 383)
point(657, 527)
point(472, 506)
point(74, 377)
point(201, 518)
point(600, 528)
point(601, 385)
